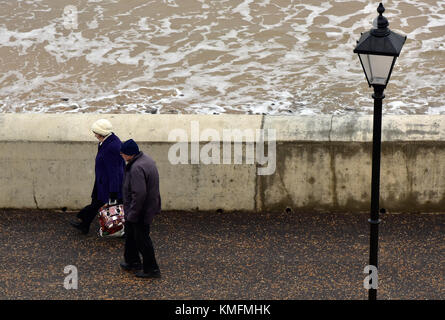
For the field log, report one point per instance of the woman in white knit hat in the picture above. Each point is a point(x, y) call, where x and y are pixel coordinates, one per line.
point(109, 171)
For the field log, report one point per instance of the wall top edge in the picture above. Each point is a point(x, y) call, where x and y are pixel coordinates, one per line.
point(171, 128)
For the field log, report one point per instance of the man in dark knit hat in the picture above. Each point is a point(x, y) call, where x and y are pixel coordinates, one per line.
point(142, 201)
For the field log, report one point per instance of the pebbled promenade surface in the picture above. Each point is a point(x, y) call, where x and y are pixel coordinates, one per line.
point(226, 256)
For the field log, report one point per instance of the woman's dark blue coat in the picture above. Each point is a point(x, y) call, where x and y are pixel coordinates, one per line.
point(109, 169)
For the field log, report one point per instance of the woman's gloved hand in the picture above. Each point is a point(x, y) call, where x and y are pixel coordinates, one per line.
point(112, 198)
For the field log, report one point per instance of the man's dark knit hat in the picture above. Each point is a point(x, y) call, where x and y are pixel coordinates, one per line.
point(130, 148)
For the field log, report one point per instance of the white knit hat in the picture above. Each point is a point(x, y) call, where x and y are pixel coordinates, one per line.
point(102, 127)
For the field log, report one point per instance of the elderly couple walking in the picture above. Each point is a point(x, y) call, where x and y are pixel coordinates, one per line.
point(135, 185)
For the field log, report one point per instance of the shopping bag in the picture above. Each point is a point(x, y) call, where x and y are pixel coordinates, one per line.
point(111, 219)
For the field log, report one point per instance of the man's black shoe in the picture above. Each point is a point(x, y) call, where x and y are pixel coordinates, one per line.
point(80, 226)
point(151, 274)
point(131, 266)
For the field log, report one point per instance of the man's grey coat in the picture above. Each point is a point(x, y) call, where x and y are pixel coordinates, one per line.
point(142, 200)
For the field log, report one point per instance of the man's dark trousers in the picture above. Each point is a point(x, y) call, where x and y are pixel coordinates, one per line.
point(88, 213)
point(138, 241)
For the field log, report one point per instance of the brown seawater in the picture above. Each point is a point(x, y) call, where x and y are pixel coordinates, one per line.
point(213, 56)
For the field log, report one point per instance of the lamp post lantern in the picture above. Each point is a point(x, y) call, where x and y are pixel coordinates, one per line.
point(377, 50)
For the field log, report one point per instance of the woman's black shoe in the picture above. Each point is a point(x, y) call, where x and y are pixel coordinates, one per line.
point(80, 226)
point(151, 274)
point(131, 266)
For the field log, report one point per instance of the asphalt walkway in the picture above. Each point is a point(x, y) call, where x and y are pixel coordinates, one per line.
point(226, 256)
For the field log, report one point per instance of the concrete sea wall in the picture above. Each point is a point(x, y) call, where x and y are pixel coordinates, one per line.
point(319, 163)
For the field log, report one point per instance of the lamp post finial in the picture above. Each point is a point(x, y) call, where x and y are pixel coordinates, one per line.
point(381, 9)
point(381, 25)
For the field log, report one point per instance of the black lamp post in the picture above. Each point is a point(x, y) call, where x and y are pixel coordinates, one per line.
point(378, 50)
